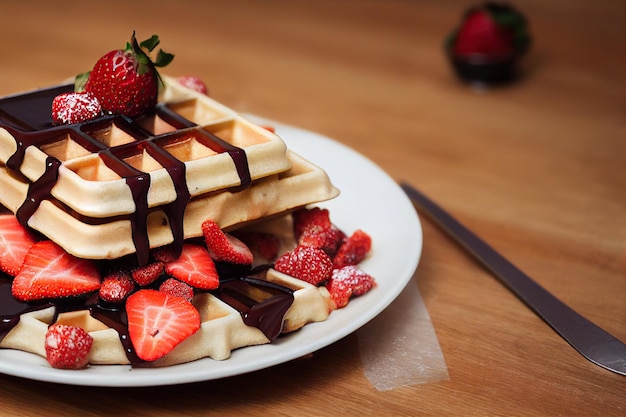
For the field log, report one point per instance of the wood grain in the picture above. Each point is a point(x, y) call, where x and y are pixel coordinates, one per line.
point(535, 168)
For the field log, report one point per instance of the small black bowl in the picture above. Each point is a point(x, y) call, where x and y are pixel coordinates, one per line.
point(481, 68)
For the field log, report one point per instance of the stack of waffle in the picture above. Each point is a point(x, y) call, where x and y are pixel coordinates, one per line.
point(115, 186)
point(120, 186)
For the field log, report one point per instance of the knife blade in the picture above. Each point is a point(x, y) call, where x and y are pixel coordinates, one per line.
point(587, 338)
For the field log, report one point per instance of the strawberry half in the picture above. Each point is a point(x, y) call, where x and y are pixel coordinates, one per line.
point(264, 244)
point(67, 347)
point(193, 83)
point(69, 108)
point(313, 227)
point(195, 267)
point(172, 286)
point(307, 263)
point(158, 322)
point(353, 250)
point(225, 247)
point(50, 272)
point(348, 282)
point(310, 220)
point(126, 81)
point(147, 274)
point(15, 241)
point(116, 286)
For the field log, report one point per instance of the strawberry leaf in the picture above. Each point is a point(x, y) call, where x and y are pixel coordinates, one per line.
point(80, 81)
point(163, 58)
point(150, 43)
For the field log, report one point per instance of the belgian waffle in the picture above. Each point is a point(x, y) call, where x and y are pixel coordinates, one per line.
point(115, 186)
point(222, 330)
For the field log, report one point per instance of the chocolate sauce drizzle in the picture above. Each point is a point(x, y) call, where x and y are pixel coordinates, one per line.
point(267, 314)
point(27, 117)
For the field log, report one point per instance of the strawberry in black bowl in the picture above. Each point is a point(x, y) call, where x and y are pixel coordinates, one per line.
point(488, 44)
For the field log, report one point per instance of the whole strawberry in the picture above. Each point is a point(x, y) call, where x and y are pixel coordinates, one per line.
point(488, 42)
point(67, 347)
point(126, 81)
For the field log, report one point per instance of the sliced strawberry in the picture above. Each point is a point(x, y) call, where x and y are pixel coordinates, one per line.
point(158, 322)
point(165, 254)
point(67, 347)
point(225, 247)
point(69, 108)
point(353, 250)
point(147, 274)
point(15, 241)
point(50, 272)
point(347, 282)
point(116, 286)
point(193, 83)
point(266, 245)
point(313, 219)
point(172, 286)
point(195, 267)
point(329, 239)
point(307, 263)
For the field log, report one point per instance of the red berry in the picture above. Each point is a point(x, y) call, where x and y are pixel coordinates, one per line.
point(158, 322)
point(165, 255)
point(126, 81)
point(313, 227)
point(353, 250)
point(15, 241)
point(307, 219)
point(193, 83)
point(147, 274)
point(329, 239)
point(178, 288)
point(266, 245)
point(480, 34)
point(50, 272)
point(348, 282)
point(116, 286)
point(307, 263)
point(195, 267)
point(225, 247)
point(69, 108)
point(67, 347)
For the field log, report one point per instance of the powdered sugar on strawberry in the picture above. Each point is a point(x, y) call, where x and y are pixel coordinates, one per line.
point(69, 108)
point(67, 347)
point(348, 281)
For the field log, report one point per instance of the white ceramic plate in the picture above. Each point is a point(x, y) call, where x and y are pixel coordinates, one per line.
point(369, 200)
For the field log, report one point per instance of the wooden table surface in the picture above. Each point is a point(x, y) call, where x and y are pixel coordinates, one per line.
point(536, 168)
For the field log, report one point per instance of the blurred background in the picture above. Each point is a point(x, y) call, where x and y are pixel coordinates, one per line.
point(536, 167)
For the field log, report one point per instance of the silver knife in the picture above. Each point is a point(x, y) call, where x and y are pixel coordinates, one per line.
point(587, 338)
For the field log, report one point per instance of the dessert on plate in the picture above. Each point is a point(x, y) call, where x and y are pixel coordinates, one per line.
point(144, 223)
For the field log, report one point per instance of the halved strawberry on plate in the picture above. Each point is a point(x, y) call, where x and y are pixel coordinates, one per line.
point(195, 267)
point(15, 241)
point(158, 322)
point(50, 272)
